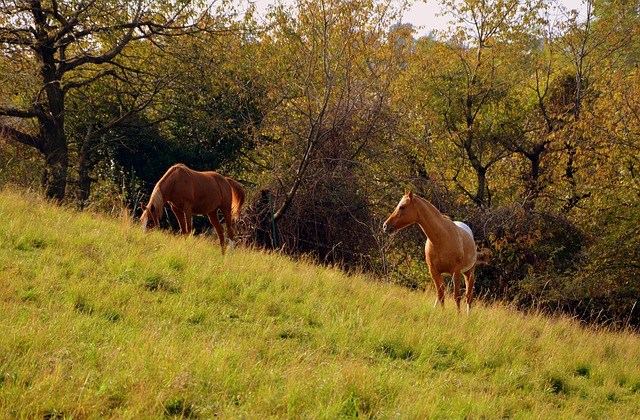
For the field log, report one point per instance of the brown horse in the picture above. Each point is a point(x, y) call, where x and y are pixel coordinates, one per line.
point(190, 192)
point(450, 247)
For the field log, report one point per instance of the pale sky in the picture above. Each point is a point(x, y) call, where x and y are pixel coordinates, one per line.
point(426, 14)
point(421, 14)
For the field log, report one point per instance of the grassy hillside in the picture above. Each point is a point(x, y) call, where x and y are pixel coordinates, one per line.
point(99, 320)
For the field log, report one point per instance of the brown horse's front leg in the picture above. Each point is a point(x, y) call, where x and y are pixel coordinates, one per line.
point(181, 219)
point(188, 218)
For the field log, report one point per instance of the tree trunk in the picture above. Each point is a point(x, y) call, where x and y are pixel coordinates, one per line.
point(57, 158)
point(480, 197)
point(56, 150)
point(84, 168)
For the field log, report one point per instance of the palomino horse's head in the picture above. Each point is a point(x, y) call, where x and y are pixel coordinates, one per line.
point(149, 218)
point(404, 215)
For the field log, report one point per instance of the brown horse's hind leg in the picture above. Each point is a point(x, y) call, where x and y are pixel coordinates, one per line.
point(228, 220)
point(456, 289)
point(438, 282)
point(213, 218)
point(469, 280)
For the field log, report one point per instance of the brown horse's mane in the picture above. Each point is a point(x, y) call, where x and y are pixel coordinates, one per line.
point(156, 199)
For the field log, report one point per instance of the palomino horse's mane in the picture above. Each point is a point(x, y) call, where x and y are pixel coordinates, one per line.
point(429, 204)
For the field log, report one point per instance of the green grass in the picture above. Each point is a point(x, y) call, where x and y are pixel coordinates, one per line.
point(98, 320)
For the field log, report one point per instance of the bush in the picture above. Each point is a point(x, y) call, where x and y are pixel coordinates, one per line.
point(607, 287)
point(531, 252)
point(20, 165)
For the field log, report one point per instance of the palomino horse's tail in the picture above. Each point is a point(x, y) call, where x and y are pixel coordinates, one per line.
point(237, 197)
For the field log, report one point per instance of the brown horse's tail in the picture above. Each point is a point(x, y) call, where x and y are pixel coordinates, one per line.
point(237, 197)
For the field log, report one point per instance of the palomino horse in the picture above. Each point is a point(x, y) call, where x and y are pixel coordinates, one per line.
point(450, 247)
point(191, 192)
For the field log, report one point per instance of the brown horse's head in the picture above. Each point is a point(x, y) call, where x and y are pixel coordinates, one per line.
point(149, 218)
point(404, 215)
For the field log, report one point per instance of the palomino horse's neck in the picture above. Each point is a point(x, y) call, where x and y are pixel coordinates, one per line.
point(431, 221)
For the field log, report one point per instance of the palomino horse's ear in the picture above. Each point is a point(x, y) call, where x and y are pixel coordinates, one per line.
point(143, 207)
point(410, 194)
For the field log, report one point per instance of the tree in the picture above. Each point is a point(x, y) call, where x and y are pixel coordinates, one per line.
point(545, 98)
point(331, 67)
point(68, 46)
point(471, 77)
point(592, 45)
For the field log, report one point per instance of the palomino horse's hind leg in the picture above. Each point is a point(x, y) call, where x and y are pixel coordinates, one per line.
point(456, 289)
point(469, 280)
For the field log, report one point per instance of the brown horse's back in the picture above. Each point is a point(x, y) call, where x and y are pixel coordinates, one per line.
point(214, 191)
point(202, 191)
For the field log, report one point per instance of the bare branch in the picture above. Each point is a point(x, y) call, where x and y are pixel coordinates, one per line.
point(73, 85)
point(21, 137)
point(16, 112)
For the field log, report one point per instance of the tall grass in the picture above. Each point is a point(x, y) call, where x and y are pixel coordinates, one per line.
point(99, 320)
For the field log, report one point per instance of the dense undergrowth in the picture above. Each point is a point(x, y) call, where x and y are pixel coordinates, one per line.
point(99, 320)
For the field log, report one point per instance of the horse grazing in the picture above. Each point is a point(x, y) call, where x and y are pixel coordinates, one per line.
point(190, 192)
point(450, 247)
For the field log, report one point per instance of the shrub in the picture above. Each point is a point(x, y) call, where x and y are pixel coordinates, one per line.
point(531, 252)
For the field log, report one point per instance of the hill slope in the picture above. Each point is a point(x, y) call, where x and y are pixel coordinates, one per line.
point(99, 320)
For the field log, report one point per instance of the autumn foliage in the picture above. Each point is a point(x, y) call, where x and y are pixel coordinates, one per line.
point(522, 119)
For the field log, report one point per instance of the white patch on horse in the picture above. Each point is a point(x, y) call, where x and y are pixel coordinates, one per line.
point(467, 229)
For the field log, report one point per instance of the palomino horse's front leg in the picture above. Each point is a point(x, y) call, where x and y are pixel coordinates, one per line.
point(438, 282)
